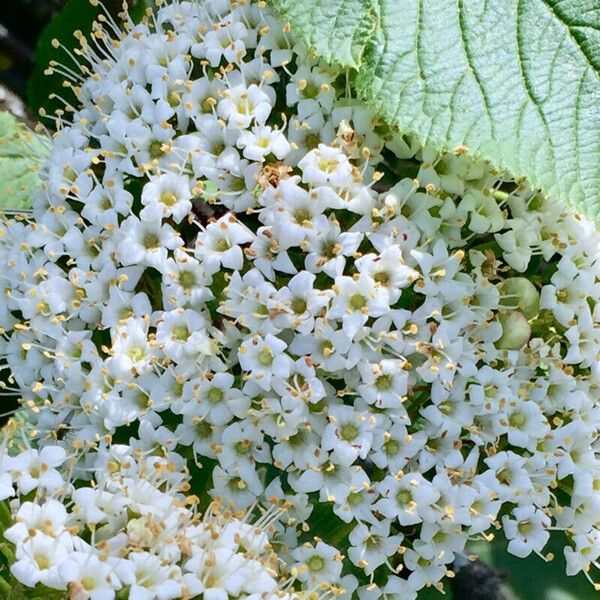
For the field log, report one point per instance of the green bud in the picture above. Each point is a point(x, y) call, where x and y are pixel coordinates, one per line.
point(518, 293)
point(516, 331)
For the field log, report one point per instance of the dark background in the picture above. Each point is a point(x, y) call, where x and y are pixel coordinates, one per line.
point(21, 22)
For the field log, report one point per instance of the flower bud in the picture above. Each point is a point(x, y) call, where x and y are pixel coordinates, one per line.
point(518, 293)
point(516, 331)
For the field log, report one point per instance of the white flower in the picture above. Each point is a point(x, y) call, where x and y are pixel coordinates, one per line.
point(356, 300)
point(219, 244)
point(39, 559)
point(148, 577)
point(349, 433)
point(241, 106)
point(49, 517)
point(323, 563)
point(167, 195)
point(131, 351)
point(384, 384)
point(372, 545)
point(89, 577)
point(326, 165)
point(182, 333)
point(264, 359)
point(526, 530)
point(409, 498)
point(262, 141)
point(32, 469)
point(146, 242)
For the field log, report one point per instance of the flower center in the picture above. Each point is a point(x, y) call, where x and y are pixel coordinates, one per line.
point(383, 382)
point(311, 90)
point(174, 99)
point(168, 198)
point(222, 245)
point(42, 561)
point(517, 420)
point(316, 563)
point(391, 447)
point(181, 333)
point(151, 241)
point(156, 150)
point(237, 484)
point(382, 277)
point(136, 354)
point(296, 440)
point(298, 305)
point(357, 302)
point(203, 429)
point(349, 432)
point(354, 498)
point(312, 141)
point(302, 215)
point(215, 395)
point(88, 583)
point(265, 358)
point(125, 313)
point(404, 497)
point(525, 527)
point(187, 279)
point(328, 165)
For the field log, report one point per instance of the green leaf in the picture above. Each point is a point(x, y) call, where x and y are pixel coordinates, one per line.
point(21, 151)
point(515, 81)
point(532, 578)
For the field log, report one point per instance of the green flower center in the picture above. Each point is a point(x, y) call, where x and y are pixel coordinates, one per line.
point(168, 198)
point(136, 354)
point(311, 90)
point(42, 561)
point(203, 429)
point(404, 497)
point(174, 99)
point(357, 302)
point(349, 432)
point(215, 395)
point(265, 358)
point(243, 446)
point(312, 141)
point(88, 583)
point(391, 447)
point(296, 440)
point(298, 305)
point(222, 245)
point(525, 527)
point(316, 563)
point(187, 279)
point(354, 498)
point(151, 241)
point(181, 333)
point(156, 150)
point(517, 420)
point(383, 382)
point(302, 215)
point(382, 277)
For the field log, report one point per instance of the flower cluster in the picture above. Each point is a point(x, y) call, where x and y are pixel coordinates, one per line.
point(235, 265)
point(136, 531)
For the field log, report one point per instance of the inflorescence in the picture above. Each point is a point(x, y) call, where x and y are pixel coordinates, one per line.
point(234, 290)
